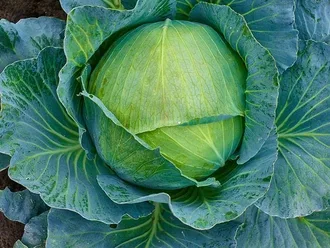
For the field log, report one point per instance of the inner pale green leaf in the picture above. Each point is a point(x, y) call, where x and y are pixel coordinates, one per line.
point(168, 73)
point(198, 150)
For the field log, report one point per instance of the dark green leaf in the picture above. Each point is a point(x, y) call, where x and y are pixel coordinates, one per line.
point(161, 229)
point(301, 183)
point(313, 19)
point(4, 161)
point(183, 8)
point(28, 37)
point(262, 230)
point(21, 206)
point(202, 208)
point(35, 231)
point(43, 139)
point(129, 4)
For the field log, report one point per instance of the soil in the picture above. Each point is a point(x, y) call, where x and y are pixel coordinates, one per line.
point(14, 10)
point(10, 231)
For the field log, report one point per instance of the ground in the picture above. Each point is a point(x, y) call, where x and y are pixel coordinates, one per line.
point(14, 10)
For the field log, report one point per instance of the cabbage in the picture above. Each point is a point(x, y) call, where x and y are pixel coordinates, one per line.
point(168, 124)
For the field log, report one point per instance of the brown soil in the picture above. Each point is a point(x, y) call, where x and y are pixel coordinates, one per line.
point(10, 231)
point(6, 182)
point(14, 10)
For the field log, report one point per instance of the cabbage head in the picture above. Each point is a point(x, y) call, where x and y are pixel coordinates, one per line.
point(185, 98)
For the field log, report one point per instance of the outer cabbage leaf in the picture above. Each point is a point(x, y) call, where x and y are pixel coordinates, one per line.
point(29, 209)
point(28, 37)
point(262, 230)
point(301, 182)
point(68, 5)
point(21, 206)
point(262, 79)
point(4, 161)
point(161, 229)
point(202, 208)
point(313, 19)
point(271, 22)
point(19, 244)
point(89, 27)
point(43, 141)
point(35, 232)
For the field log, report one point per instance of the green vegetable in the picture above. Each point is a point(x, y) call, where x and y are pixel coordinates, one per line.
point(179, 87)
point(169, 124)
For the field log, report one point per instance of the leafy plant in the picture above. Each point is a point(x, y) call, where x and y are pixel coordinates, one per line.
point(170, 123)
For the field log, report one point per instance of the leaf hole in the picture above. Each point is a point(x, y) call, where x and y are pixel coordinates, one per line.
point(114, 226)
